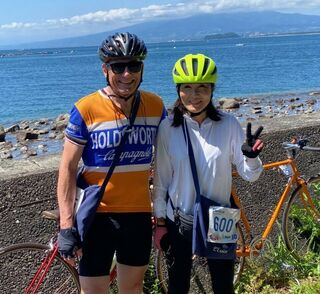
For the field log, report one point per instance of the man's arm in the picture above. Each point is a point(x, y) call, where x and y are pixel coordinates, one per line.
point(67, 182)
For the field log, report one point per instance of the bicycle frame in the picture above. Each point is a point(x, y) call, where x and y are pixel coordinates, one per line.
point(43, 269)
point(40, 275)
point(293, 180)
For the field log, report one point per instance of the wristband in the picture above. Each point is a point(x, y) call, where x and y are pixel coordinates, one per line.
point(161, 225)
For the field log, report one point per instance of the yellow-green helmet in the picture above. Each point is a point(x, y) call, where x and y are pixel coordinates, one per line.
point(194, 69)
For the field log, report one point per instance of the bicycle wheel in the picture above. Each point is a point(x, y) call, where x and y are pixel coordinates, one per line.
point(301, 222)
point(19, 263)
point(200, 275)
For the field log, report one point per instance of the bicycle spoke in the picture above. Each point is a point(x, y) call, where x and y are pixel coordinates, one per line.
point(19, 264)
point(301, 225)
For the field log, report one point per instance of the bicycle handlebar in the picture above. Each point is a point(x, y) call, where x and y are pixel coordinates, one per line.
point(301, 145)
point(309, 148)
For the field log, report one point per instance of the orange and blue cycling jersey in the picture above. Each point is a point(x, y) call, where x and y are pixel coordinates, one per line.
point(97, 124)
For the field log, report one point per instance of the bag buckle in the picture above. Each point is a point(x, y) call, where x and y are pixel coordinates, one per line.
point(176, 217)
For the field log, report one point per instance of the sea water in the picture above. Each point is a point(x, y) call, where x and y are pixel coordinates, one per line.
point(46, 82)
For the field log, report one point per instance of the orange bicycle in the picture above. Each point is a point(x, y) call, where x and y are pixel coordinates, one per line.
point(300, 228)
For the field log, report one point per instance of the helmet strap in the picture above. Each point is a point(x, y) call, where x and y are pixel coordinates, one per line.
point(192, 114)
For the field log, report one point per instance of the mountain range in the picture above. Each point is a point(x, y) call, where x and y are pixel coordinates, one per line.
point(197, 27)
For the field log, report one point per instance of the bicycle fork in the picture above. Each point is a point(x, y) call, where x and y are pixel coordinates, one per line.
point(42, 271)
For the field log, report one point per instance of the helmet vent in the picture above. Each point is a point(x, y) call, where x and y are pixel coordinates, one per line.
point(205, 66)
point(214, 71)
point(195, 66)
point(184, 67)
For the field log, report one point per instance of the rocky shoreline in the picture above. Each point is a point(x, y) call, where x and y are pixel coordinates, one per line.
point(45, 136)
point(31, 138)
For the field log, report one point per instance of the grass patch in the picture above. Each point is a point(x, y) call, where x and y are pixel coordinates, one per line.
point(277, 271)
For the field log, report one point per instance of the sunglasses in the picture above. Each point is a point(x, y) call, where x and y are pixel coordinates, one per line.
point(132, 67)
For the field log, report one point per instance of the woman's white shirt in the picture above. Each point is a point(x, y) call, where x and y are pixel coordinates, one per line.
point(216, 146)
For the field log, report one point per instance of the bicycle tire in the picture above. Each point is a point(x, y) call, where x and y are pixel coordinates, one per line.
point(300, 224)
point(200, 281)
point(20, 262)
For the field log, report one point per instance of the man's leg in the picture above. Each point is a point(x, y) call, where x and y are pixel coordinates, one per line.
point(132, 250)
point(130, 278)
point(98, 250)
point(94, 285)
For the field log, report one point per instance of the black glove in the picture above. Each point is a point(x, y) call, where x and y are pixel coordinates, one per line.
point(253, 146)
point(68, 242)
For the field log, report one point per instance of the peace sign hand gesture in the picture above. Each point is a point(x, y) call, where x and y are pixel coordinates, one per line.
point(252, 146)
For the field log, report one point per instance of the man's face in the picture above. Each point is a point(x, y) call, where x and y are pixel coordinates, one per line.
point(124, 76)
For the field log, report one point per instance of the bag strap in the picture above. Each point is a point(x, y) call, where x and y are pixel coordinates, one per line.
point(124, 137)
point(192, 160)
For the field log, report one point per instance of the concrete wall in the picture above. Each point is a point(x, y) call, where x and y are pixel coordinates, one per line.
point(29, 186)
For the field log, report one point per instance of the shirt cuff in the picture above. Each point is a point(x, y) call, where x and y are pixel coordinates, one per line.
point(253, 163)
point(159, 203)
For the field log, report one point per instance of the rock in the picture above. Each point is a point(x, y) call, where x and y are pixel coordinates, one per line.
point(24, 135)
point(32, 152)
point(52, 135)
point(311, 101)
point(43, 131)
point(61, 125)
point(24, 149)
point(13, 128)
point(43, 121)
point(229, 103)
point(63, 117)
point(2, 134)
point(310, 110)
point(6, 154)
point(292, 107)
point(254, 101)
point(314, 93)
point(256, 111)
point(24, 125)
point(60, 136)
point(279, 101)
point(5, 145)
point(42, 146)
point(268, 108)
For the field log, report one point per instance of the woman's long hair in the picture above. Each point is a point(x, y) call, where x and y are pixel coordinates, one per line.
point(179, 110)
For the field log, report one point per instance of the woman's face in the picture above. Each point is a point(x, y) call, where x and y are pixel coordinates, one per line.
point(195, 97)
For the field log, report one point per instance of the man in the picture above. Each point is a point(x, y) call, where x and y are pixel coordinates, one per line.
point(122, 224)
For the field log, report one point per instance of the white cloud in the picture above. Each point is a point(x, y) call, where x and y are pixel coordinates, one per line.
point(119, 17)
point(116, 18)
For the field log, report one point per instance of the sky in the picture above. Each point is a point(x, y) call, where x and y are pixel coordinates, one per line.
point(23, 21)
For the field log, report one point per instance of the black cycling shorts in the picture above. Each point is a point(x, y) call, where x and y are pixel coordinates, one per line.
point(129, 235)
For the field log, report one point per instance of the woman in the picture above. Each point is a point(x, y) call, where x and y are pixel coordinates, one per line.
point(218, 142)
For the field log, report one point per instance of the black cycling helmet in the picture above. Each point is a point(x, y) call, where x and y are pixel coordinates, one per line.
point(122, 45)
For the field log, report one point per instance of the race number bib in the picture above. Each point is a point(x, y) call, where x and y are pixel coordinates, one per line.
point(223, 224)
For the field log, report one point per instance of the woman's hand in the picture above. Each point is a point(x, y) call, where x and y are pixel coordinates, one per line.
point(252, 146)
point(159, 233)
